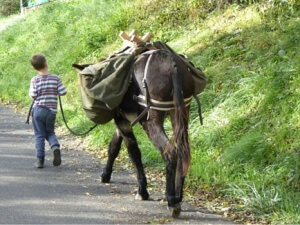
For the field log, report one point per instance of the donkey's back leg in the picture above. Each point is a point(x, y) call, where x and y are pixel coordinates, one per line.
point(134, 152)
point(113, 152)
point(156, 133)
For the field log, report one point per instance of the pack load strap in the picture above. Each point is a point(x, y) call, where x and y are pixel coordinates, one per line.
point(160, 105)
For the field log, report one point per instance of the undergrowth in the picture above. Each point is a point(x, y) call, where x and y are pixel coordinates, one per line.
point(247, 152)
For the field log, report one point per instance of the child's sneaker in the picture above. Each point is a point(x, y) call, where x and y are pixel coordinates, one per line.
point(39, 163)
point(57, 158)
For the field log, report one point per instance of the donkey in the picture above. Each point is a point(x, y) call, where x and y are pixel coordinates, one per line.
point(161, 78)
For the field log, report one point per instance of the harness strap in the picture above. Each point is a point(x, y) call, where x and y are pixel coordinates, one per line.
point(164, 106)
point(149, 103)
point(146, 110)
point(160, 105)
point(147, 98)
point(199, 108)
point(145, 86)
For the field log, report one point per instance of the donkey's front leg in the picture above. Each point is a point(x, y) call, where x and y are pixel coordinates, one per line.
point(135, 156)
point(113, 152)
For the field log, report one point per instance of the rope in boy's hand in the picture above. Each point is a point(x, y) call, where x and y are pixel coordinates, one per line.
point(29, 112)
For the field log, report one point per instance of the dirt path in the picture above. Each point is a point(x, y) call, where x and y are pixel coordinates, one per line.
point(72, 193)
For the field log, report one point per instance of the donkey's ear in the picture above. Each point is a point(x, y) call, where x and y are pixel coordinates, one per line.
point(80, 67)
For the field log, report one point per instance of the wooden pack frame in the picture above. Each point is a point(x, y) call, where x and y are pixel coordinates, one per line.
point(132, 40)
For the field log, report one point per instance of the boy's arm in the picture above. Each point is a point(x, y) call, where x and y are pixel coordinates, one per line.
point(61, 88)
point(32, 89)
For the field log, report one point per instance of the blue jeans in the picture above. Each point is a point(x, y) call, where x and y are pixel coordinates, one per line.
point(43, 121)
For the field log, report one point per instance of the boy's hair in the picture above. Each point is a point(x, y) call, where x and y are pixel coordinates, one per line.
point(38, 61)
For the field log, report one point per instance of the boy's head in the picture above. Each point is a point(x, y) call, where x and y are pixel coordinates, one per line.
point(38, 61)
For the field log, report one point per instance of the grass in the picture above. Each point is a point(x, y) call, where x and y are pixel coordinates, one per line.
point(247, 152)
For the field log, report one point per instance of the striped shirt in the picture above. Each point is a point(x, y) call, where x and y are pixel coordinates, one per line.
point(44, 89)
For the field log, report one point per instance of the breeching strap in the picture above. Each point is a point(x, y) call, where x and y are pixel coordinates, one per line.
point(149, 103)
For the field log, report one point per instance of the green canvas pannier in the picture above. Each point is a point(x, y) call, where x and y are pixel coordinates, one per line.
point(103, 86)
point(199, 77)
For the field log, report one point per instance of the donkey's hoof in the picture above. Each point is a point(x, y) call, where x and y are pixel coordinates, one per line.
point(141, 197)
point(175, 210)
point(105, 179)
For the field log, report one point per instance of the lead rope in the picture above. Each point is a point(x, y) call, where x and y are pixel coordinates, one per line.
point(29, 112)
point(65, 121)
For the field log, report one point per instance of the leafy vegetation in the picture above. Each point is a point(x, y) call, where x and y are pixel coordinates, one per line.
point(9, 7)
point(247, 153)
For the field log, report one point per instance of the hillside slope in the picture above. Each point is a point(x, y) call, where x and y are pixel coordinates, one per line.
point(247, 152)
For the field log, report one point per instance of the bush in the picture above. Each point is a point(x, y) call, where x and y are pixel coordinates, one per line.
point(9, 7)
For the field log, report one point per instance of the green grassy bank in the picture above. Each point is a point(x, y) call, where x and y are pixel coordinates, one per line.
point(246, 157)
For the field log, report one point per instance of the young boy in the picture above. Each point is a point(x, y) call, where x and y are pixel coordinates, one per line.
point(44, 89)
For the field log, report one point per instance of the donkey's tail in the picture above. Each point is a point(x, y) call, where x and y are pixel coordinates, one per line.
point(181, 123)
